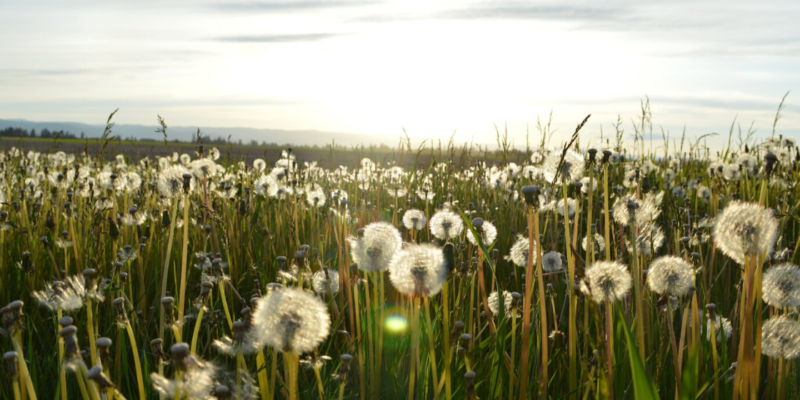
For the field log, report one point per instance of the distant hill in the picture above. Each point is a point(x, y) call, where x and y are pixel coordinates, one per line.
point(186, 133)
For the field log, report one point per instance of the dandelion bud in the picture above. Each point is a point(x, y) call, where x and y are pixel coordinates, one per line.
point(103, 344)
point(531, 194)
point(769, 160)
point(299, 257)
point(455, 334)
point(96, 374)
point(70, 341)
point(712, 310)
point(10, 358)
point(281, 261)
point(45, 242)
point(179, 352)
point(155, 348)
point(65, 321)
point(578, 186)
point(477, 223)
point(466, 339)
point(592, 154)
point(187, 180)
point(470, 384)
point(222, 392)
point(167, 303)
point(515, 298)
point(304, 248)
point(344, 369)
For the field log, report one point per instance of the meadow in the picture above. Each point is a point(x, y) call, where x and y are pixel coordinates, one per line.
point(612, 270)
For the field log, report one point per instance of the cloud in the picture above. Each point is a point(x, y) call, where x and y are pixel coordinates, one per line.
point(285, 6)
point(291, 38)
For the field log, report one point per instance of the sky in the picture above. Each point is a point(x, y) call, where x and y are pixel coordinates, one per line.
point(433, 69)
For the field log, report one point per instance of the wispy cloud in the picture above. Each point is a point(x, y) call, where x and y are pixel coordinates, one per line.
point(286, 6)
point(288, 38)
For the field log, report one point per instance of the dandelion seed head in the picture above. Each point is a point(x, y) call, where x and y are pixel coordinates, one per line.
point(781, 286)
point(325, 283)
point(170, 181)
point(721, 326)
point(519, 252)
point(493, 302)
point(291, 320)
point(414, 220)
point(744, 229)
point(446, 225)
point(608, 281)
point(780, 338)
point(488, 234)
point(570, 170)
point(418, 270)
point(552, 262)
point(374, 251)
point(598, 241)
point(670, 275)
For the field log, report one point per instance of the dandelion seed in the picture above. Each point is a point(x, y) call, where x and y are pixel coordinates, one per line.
point(291, 320)
point(414, 220)
point(446, 225)
point(780, 338)
point(781, 286)
point(670, 275)
point(744, 229)
point(418, 270)
point(607, 281)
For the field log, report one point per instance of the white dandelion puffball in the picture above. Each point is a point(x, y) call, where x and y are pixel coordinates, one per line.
point(519, 252)
point(322, 282)
point(418, 270)
point(670, 275)
point(744, 229)
point(781, 286)
point(494, 302)
point(780, 338)
point(414, 220)
point(570, 170)
point(598, 242)
point(195, 383)
point(488, 234)
point(721, 326)
point(446, 225)
point(291, 320)
point(552, 262)
point(608, 281)
point(170, 181)
point(374, 251)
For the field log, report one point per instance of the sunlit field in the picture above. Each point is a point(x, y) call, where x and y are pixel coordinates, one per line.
point(573, 268)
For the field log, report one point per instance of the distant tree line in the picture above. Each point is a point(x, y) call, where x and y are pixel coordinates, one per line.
point(45, 133)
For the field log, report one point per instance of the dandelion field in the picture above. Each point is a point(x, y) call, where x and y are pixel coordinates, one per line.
point(607, 270)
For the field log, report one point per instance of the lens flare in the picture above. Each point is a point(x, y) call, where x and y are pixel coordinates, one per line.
point(395, 324)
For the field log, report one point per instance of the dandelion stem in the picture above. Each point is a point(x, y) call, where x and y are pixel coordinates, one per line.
point(136, 363)
point(184, 256)
point(23, 368)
